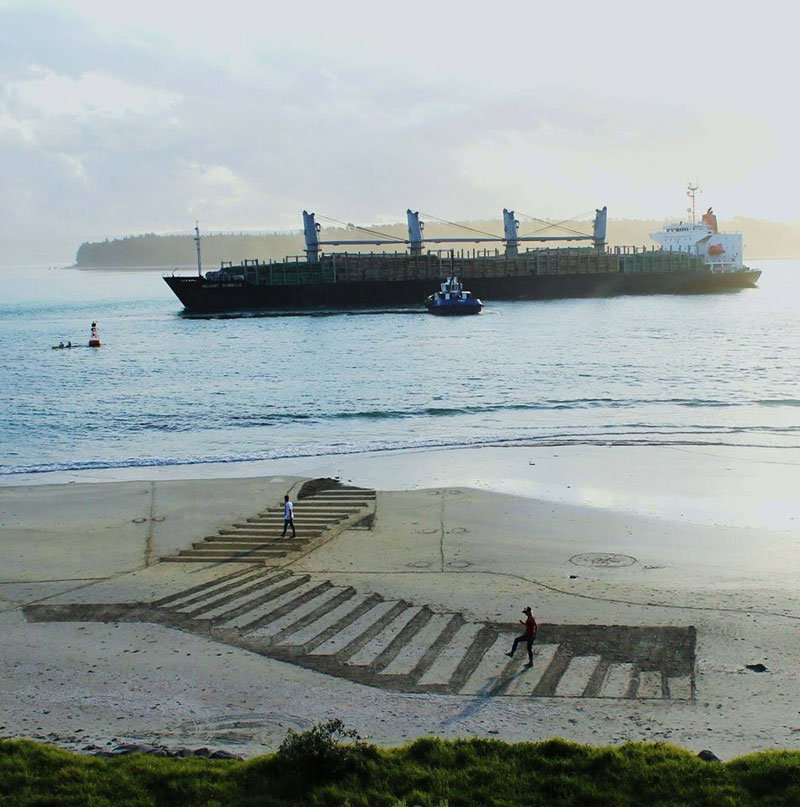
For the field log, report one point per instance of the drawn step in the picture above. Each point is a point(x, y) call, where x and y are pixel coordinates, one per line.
point(250, 550)
point(308, 635)
point(247, 599)
point(269, 524)
point(412, 654)
point(213, 597)
point(275, 606)
point(217, 581)
point(524, 680)
point(302, 615)
point(680, 688)
point(489, 676)
point(187, 556)
point(575, 679)
point(449, 657)
point(377, 646)
point(322, 497)
point(265, 531)
point(651, 684)
point(245, 545)
point(374, 618)
point(243, 556)
point(617, 682)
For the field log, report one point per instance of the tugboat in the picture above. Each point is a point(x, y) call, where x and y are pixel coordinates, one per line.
point(452, 300)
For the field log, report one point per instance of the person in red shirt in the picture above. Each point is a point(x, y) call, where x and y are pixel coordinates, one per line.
point(531, 629)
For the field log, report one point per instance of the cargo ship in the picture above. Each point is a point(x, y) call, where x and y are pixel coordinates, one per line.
point(691, 258)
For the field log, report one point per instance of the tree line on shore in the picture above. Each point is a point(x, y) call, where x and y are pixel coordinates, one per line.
point(762, 239)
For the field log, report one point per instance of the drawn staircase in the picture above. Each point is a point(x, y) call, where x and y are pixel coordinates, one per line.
point(318, 516)
point(398, 645)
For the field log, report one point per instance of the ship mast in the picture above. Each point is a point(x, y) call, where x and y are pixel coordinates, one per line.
point(416, 227)
point(691, 192)
point(197, 245)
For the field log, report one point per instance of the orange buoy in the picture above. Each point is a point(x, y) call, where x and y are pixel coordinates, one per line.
point(94, 338)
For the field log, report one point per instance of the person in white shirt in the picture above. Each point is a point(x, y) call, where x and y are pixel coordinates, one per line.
point(288, 516)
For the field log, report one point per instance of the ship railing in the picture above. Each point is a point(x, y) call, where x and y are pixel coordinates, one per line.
point(660, 261)
point(722, 267)
point(431, 267)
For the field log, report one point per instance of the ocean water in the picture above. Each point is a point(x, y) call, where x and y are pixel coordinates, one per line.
point(167, 388)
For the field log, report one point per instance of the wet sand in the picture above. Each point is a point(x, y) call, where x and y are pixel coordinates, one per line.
point(695, 538)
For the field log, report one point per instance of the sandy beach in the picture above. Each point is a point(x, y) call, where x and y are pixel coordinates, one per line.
point(657, 575)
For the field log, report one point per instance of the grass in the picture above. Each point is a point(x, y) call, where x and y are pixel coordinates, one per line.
point(331, 769)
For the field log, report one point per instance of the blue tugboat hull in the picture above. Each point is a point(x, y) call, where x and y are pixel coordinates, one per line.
point(456, 309)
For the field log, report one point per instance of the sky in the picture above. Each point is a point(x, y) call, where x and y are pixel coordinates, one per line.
point(123, 118)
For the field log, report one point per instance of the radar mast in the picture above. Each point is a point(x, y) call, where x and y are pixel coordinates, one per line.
point(691, 192)
point(197, 244)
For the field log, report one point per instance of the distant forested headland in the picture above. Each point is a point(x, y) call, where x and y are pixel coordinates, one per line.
point(762, 239)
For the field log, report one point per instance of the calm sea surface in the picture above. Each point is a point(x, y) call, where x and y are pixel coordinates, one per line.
point(167, 388)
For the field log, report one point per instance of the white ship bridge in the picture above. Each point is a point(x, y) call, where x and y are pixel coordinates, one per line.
point(723, 252)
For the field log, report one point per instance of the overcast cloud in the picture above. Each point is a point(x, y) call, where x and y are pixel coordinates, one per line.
point(118, 120)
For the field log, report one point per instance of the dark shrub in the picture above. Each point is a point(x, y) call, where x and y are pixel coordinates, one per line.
point(326, 750)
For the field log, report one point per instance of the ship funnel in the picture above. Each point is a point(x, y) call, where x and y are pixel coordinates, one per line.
point(311, 232)
point(710, 220)
point(599, 233)
point(510, 232)
point(414, 232)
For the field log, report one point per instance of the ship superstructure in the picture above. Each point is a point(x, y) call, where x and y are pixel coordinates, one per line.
point(722, 252)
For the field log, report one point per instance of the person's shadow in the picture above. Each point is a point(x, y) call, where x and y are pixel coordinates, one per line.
point(494, 686)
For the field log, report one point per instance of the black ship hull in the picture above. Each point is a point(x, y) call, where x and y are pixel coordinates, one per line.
point(201, 295)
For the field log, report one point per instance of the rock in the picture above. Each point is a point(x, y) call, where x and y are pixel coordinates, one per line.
point(160, 751)
point(313, 486)
point(135, 748)
point(709, 756)
point(756, 667)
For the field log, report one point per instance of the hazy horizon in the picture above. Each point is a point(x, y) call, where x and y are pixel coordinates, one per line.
point(122, 120)
point(763, 239)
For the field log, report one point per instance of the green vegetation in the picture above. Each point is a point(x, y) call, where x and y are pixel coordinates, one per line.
point(179, 250)
point(762, 239)
point(330, 766)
